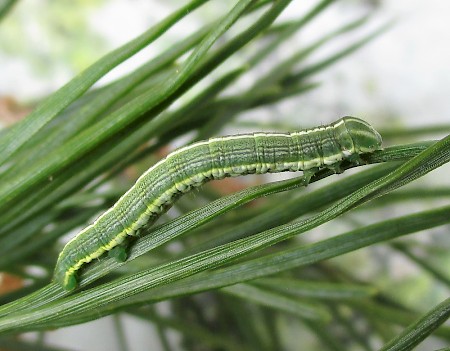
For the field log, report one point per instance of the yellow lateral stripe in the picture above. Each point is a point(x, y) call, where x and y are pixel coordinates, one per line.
point(130, 228)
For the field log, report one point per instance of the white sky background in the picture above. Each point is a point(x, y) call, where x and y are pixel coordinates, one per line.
point(404, 74)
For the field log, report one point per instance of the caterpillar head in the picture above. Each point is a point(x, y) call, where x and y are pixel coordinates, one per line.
point(360, 136)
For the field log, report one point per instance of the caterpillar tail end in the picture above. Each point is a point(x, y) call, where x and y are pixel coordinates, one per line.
point(67, 280)
point(70, 282)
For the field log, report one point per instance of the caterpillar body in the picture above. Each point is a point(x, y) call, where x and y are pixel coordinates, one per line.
point(191, 166)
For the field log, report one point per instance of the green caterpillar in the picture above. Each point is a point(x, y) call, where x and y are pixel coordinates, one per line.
point(193, 165)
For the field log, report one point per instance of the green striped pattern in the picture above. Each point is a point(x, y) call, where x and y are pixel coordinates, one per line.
point(217, 158)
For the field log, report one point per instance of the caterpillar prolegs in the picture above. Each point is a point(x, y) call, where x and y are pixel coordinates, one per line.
point(229, 156)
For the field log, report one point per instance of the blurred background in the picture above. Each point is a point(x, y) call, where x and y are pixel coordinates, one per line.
point(401, 76)
point(400, 79)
